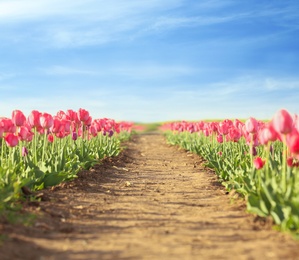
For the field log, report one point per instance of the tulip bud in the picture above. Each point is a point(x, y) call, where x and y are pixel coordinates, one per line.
point(24, 151)
point(258, 163)
point(282, 122)
point(74, 136)
point(111, 133)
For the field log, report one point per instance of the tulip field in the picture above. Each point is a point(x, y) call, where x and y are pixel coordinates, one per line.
point(42, 150)
point(258, 159)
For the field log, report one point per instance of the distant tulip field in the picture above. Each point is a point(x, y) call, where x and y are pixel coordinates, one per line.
point(42, 150)
point(258, 159)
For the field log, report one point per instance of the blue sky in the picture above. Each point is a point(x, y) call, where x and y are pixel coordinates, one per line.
point(150, 60)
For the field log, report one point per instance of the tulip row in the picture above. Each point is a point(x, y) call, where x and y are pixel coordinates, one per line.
point(258, 159)
point(43, 150)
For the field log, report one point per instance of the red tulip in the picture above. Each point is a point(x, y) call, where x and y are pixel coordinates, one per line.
point(293, 141)
point(11, 140)
point(282, 122)
point(50, 138)
point(18, 118)
point(258, 163)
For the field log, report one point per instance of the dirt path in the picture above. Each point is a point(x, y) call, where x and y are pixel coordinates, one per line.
point(152, 202)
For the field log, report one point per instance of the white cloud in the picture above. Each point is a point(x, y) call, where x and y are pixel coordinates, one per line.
point(154, 71)
point(132, 71)
point(281, 84)
point(69, 23)
point(100, 10)
point(66, 71)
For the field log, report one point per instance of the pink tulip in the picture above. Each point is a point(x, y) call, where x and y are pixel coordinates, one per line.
point(234, 134)
point(219, 138)
point(46, 120)
point(93, 130)
point(61, 115)
point(66, 125)
point(23, 133)
point(223, 128)
point(117, 128)
point(11, 140)
point(258, 163)
point(33, 119)
point(88, 121)
point(267, 134)
point(83, 115)
point(296, 122)
point(251, 125)
point(282, 122)
point(73, 116)
point(1, 128)
point(18, 118)
point(7, 125)
point(238, 124)
point(57, 126)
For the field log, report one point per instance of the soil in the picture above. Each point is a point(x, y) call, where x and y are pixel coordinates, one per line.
point(153, 201)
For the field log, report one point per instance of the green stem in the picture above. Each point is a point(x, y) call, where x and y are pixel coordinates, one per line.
point(267, 156)
point(2, 151)
point(284, 163)
point(251, 150)
point(44, 146)
point(35, 146)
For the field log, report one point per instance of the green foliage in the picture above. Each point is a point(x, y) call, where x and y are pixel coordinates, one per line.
point(48, 164)
point(268, 191)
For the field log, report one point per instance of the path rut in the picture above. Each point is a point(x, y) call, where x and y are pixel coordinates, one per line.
point(154, 201)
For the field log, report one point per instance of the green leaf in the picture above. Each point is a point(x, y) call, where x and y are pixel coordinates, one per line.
point(254, 205)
